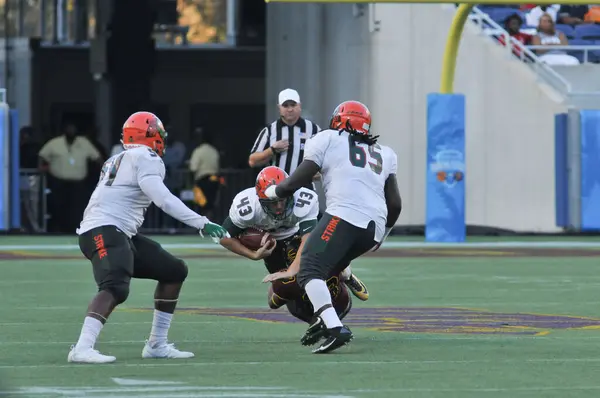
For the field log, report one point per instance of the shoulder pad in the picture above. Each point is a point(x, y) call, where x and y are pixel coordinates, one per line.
point(305, 202)
point(243, 207)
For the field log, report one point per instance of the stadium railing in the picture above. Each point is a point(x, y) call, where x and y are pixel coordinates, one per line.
point(34, 197)
point(33, 192)
point(490, 28)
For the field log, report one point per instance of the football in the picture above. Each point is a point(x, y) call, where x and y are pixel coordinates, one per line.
point(254, 239)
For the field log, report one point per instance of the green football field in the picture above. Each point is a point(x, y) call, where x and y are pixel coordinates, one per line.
point(453, 322)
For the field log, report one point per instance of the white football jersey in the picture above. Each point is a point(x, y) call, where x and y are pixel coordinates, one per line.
point(354, 176)
point(246, 212)
point(118, 199)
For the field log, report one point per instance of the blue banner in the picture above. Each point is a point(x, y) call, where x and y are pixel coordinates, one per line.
point(15, 192)
point(590, 169)
point(445, 196)
point(561, 183)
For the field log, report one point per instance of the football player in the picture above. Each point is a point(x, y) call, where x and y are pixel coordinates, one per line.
point(363, 204)
point(108, 237)
point(289, 221)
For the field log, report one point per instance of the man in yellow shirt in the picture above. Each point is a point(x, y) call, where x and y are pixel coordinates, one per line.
point(204, 163)
point(65, 158)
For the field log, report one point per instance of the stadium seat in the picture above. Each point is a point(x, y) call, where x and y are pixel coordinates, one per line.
point(579, 53)
point(587, 31)
point(567, 30)
point(499, 15)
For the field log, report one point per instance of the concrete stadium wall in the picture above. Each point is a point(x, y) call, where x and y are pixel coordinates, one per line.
point(328, 53)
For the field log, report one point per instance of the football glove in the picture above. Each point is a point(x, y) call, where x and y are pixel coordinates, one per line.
point(215, 231)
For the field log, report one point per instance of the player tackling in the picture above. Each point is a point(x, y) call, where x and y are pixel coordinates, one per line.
point(363, 204)
point(289, 222)
point(108, 237)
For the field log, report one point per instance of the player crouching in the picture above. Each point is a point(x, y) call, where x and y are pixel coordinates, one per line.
point(108, 237)
point(288, 224)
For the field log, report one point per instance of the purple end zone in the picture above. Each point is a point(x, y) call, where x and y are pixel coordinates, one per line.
point(425, 320)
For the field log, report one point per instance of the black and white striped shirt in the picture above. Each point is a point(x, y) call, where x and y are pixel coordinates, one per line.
point(296, 135)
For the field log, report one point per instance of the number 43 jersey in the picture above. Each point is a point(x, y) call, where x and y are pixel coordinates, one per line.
point(354, 176)
point(118, 199)
point(246, 212)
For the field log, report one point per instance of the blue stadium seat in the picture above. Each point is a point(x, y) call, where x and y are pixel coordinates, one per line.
point(567, 30)
point(587, 31)
point(579, 53)
point(499, 15)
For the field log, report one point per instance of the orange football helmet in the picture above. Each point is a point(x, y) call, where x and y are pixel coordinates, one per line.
point(145, 128)
point(352, 116)
point(279, 209)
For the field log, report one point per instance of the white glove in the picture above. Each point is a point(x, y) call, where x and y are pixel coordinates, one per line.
point(270, 192)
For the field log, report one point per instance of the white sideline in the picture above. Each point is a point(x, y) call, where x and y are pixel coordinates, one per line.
point(314, 363)
point(386, 245)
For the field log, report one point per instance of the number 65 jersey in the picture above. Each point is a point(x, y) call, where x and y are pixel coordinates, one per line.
point(354, 176)
point(246, 212)
point(118, 199)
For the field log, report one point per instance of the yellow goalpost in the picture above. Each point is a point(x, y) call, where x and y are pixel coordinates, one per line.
point(453, 41)
point(446, 172)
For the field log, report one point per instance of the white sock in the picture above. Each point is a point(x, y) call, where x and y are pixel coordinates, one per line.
point(89, 333)
point(347, 273)
point(160, 327)
point(319, 296)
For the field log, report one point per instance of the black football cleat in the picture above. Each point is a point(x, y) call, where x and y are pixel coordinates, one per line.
point(337, 337)
point(315, 332)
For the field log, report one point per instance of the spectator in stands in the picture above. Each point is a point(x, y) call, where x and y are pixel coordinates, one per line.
point(534, 15)
point(572, 15)
point(65, 158)
point(593, 15)
point(548, 36)
point(513, 24)
point(204, 163)
point(28, 148)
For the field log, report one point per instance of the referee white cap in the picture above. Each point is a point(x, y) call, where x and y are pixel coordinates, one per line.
point(289, 95)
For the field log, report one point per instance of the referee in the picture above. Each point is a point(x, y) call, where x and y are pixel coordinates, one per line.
point(281, 143)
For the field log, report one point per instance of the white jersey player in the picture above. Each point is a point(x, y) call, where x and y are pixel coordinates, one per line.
point(363, 204)
point(300, 217)
point(108, 237)
point(288, 221)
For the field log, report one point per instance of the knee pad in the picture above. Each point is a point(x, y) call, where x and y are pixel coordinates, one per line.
point(274, 301)
point(119, 290)
point(179, 271)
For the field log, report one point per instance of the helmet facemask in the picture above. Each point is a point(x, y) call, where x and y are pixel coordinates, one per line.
point(278, 209)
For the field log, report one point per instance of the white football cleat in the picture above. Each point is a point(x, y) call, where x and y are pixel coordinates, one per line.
point(88, 355)
point(164, 350)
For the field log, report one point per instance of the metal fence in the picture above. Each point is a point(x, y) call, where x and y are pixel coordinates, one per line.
point(34, 198)
point(33, 193)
